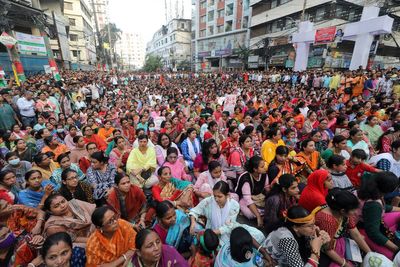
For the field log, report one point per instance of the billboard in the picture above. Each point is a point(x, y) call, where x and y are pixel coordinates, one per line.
point(325, 35)
point(30, 44)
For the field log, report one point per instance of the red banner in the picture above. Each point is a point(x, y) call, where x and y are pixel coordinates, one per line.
point(325, 35)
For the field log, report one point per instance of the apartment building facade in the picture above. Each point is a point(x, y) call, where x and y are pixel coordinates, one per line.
point(131, 49)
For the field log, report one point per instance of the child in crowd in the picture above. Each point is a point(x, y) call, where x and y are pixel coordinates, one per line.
point(204, 254)
point(356, 167)
point(337, 168)
point(291, 140)
point(178, 168)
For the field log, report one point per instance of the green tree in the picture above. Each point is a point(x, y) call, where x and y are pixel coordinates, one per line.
point(112, 38)
point(152, 63)
point(243, 53)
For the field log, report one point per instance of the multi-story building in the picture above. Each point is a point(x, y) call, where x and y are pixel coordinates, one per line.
point(172, 42)
point(81, 34)
point(100, 7)
point(274, 21)
point(131, 49)
point(221, 31)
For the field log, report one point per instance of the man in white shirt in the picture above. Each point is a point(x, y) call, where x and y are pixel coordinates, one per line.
point(26, 106)
point(79, 103)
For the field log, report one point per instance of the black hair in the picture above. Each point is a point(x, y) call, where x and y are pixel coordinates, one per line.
point(90, 143)
point(11, 154)
point(163, 207)
point(172, 150)
point(296, 212)
point(395, 145)
point(29, 173)
point(370, 118)
point(62, 156)
point(205, 151)
point(248, 130)
point(98, 215)
point(160, 170)
point(65, 173)
point(76, 139)
point(141, 237)
point(354, 131)
point(160, 136)
point(99, 156)
point(119, 176)
point(340, 199)
point(117, 138)
point(359, 153)
point(47, 202)
point(272, 132)
point(190, 130)
point(377, 185)
point(304, 144)
point(54, 239)
point(211, 242)
point(38, 158)
point(243, 138)
point(212, 124)
point(3, 174)
point(282, 150)
point(241, 244)
point(48, 140)
point(222, 186)
point(337, 139)
point(285, 181)
point(143, 136)
point(212, 165)
point(335, 160)
point(396, 128)
point(252, 164)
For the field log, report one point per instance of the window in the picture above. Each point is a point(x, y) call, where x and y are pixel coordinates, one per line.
point(73, 37)
point(274, 3)
point(229, 9)
point(202, 33)
point(220, 29)
point(202, 19)
point(182, 25)
point(68, 6)
point(203, 5)
point(74, 53)
point(85, 10)
point(72, 22)
point(228, 26)
point(245, 22)
point(220, 13)
point(211, 15)
point(210, 30)
point(210, 2)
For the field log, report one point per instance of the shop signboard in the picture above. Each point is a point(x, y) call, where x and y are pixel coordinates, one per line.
point(325, 35)
point(30, 44)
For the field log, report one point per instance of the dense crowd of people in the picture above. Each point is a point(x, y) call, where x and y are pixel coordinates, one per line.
point(275, 168)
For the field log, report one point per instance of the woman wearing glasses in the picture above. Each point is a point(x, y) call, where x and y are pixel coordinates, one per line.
point(113, 241)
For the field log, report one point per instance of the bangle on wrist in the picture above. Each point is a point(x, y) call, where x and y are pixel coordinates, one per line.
point(31, 264)
point(317, 254)
point(313, 262)
point(344, 263)
point(124, 256)
point(260, 247)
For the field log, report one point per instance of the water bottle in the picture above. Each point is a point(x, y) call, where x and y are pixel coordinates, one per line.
point(258, 260)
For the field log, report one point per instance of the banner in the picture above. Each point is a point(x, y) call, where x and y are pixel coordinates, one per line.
point(7, 40)
point(325, 35)
point(28, 44)
point(230, 103)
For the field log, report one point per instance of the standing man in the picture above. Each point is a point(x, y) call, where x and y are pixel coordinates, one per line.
point(8, 117)
point(26, 106)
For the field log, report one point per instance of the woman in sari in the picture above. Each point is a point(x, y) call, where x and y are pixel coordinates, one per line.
point(326, 133)
point(54, 146)
point(164, 142)
point(173, 226)
point(113, 241)
point(177, 165)
point(339, 147)
point(297, 243)
point(310, 158)
point(379, 221)
point(36, 191)
point(251, 188)
point(106, 132)
point(356, 141)
point(283, 195)
point(168, 188)
point(231, 142)
point(387, 138)
point(128, 201)
point(269, 146)
point(221, 213)
point(210, 151)
point(372, 128)
point(71, 216)
point(310, 123)
point(318, 184)
point(338, 219)
point(142, 163)
point(8, 186)
point(120, 153)
point(241, 154)
point(206, 180)
point(44, 164)
point(73, 188)
point(23, 151)
point(190, 147)
point(65, 163)
point(282, 164)
point(320, 145)
point(152, 252)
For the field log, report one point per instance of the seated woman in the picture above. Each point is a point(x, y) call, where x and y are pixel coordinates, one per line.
point(283, 195)
point(379, 221)
point(19, 167)
point(113, 241)
point(173, 226)
point(120, 153)
point(338, 219)
point(310, 159)
point(356, 141)
point(251, 188)
point(54, 146)
point(297, 243)
point(231, 142)
point(164, 142)
point(161, 255)
point(209, 152)
point(71, 216)
point(44, 164)
point(100, 176)
point(190, 147)
point(128, 201)
point(221, 213)
point(72, 188)
point(206, 180)
point(373, 129)
point(314, 194)
point(142, 163)
point(241, 251)
point(240, 154)
point(8, 186)
point(282, 164)
point(339, 147)
point(172, 189)
point(106, 132)
point(268, 148)
point(36, 190)
point(65, 163)
point(73, 131)
point(23, 151)
point(176, 164)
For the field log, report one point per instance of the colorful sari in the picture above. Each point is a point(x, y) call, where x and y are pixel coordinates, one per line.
point(175, 190)
point(169, 258)
point(311, 163)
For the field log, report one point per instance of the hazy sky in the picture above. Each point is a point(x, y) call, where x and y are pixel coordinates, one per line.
point(143, 16)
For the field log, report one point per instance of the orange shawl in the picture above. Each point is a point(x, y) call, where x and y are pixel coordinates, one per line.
point(312, 161)
point(100, 250)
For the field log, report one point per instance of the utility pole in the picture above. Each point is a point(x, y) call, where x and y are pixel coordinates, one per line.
point(100, 41)
point(109, 40)
point(303, 13)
